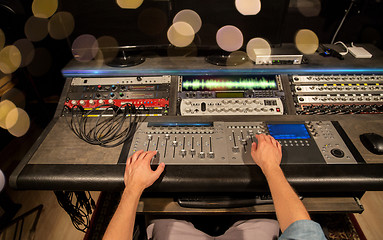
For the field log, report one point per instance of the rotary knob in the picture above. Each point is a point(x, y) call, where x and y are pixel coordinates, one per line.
point(82, 102)
point(111, 101)
point(91, 102)
point(101, 101)
point(73, 102)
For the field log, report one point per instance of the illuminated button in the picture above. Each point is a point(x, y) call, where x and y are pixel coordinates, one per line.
point(99, 87)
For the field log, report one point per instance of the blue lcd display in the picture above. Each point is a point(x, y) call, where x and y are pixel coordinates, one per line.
point(288, 131)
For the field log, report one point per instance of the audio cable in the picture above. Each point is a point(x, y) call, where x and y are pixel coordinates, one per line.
point(113, 126)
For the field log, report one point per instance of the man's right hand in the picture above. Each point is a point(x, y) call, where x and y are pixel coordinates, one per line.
point(267, 153)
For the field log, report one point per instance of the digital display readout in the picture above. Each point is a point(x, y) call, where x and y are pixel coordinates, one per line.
point(288, 131)
point(229, 94)
point(227, 83)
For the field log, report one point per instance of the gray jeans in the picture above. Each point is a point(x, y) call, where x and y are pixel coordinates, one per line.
point(170, 229)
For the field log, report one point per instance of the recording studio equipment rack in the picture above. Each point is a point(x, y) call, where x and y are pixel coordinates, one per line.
point(230, 95)
point(338, 94)
point(149, 94)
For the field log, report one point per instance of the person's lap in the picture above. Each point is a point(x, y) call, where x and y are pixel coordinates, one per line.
point(170, 229)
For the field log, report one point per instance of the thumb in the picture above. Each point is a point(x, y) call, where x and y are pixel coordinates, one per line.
point(157, 173)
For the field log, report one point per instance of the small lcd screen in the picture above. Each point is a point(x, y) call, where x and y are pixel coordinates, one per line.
point(229, 94)
point(288, 131)
point(179, 124)
point(227, 83)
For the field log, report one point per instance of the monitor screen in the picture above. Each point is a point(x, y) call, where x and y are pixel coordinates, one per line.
point(229, 83)
point(288, 131)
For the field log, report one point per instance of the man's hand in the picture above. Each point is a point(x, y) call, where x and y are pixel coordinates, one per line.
point(267, 154)
point(138, 174)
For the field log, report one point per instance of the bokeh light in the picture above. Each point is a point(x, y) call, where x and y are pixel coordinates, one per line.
point(5, 82)
point(108, 48)
point(5, 107)
point(27, 51)
point(41, 63)
point(190, 17)
point(44, 8)
point(10, 59)
point(17, 122)
point(152, 21)
point(236, 58)
point(229, 38)
point(129, 4)
point(248, 7)
point(15, 96)
point(306, 41)
point(309, 8)
point(257, 47)
point(180, 34)
point(61, 25)
point(36, 29)
point(85, 48)
point(2, 39)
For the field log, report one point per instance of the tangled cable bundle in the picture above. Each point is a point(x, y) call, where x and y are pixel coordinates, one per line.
point(108, 129)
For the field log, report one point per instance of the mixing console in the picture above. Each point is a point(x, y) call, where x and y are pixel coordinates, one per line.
point(229, 143)
point(338, 94)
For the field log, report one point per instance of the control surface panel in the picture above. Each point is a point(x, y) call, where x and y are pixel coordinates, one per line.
point(229, 143)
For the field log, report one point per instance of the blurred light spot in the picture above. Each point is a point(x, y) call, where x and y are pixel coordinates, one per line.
point(229, 38)
point(36, 29)
point(180, 34)
point(152, 21)
point(5, 107)
point(5, 83)
point(258, 46)
point(248, 7)
point(309, 8)
point(108, 48)
point(2, 39)
point(61, 25)
point(306, 41)
point(190, 17)
point(41, 63)
point(16, 96)
point(27, 51)
point(129, 4)
point(10, 59)
point(85, 48)
point(236, 58)
point(17, 122)
point(44, 8)
point(189, 51)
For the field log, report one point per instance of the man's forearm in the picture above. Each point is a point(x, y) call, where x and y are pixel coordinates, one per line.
point(122, 224)
point(288, 206)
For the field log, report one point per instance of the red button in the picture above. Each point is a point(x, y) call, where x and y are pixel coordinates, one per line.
point(278, 109)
